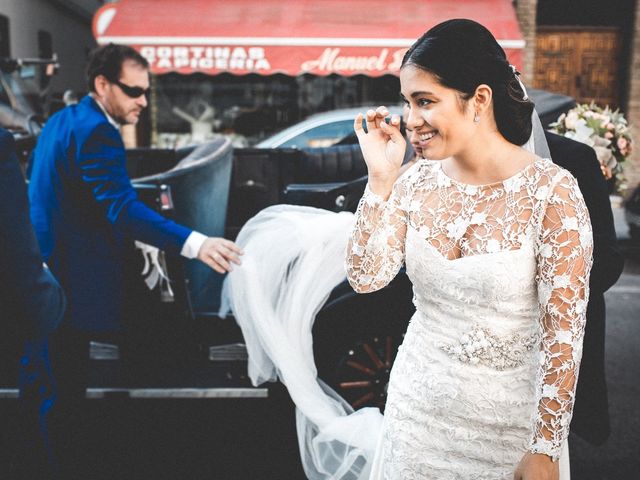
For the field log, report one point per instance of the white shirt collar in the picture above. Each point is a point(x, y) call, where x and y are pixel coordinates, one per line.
point(104, 110)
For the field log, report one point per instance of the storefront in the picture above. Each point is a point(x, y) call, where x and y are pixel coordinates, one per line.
point(256, 66)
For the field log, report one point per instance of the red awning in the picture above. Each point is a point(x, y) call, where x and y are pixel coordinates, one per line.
point(322, 37)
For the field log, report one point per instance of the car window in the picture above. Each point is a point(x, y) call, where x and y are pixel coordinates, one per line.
point(321, 135)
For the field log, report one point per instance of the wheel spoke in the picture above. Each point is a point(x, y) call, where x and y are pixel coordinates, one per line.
point(356, 384)
point(362, 400)
point(373, 356)
point(358, 366)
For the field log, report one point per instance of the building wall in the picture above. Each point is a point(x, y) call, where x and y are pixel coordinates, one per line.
point(632, 170)
point(526, 13)
point(68, 22)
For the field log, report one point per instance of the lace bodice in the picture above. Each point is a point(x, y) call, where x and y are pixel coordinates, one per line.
point(439, 220)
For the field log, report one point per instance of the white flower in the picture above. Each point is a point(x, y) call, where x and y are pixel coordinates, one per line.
point(586, 236)
point(564, 336)
point(471, 190)
point(546, 251)
point(570, 223)
point(581, 306)
point(443, 180)
point(571, 119)
point(550, 391)
point(513, 184)
point(415, 205)
point(544, 292)
point(582, 134)
point(404, 203)
point(478, 218)
point(457, 229)
point(493, 246)
point(561, 281)
point(577, 352)
point(542, 192)
point(542, 357)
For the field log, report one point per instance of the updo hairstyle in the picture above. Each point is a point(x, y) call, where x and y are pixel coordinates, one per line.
point(462, 54)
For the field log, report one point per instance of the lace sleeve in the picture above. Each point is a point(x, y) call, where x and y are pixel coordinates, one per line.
point(564, 256)
point(375, 251)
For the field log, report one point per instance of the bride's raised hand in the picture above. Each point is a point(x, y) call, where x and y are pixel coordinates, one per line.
point(382, 145)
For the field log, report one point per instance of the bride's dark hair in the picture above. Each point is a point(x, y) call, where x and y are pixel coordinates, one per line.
point(463, 54)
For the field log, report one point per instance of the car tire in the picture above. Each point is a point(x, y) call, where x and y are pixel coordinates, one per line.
point(356, 338)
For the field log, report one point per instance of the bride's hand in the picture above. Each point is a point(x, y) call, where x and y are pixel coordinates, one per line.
point(537, 466)
point(382, 145)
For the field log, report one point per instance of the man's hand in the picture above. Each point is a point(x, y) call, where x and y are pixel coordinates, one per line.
point(219, 254)
point(537, 466)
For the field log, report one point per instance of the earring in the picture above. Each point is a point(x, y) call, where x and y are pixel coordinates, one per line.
point(476, 118)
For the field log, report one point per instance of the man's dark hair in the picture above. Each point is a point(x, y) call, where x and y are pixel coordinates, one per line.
point(108, 59)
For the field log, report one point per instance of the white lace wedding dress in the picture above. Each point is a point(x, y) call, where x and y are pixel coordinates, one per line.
point(489, 364)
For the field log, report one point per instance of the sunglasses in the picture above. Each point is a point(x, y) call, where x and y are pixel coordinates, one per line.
point(132, 92)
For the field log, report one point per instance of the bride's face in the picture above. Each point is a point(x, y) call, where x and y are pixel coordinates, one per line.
point(441, 125)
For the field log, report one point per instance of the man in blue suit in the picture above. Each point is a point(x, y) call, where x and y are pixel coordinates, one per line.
point(87, 215)
point(31, 306)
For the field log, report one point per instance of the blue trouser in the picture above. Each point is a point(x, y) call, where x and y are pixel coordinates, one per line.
point(37, 396)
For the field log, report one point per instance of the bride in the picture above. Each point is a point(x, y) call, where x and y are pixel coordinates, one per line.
point(497, 243)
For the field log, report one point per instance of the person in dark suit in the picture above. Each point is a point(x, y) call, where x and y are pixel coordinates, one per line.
point(86, 215)
point(31, 306)
point(591, 412)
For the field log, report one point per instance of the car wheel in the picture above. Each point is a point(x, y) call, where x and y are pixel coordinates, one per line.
point(361, 373)
point(356, 339)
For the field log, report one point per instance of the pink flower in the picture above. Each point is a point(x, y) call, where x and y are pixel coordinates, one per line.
point(608, 135)
point(622, 143)
point(610, 126)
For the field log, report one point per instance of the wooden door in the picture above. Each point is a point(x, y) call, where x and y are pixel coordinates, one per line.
point(581, 62)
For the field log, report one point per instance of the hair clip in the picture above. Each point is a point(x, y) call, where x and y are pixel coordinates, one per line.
point(517, 75)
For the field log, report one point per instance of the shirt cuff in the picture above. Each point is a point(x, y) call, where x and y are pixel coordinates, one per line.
point(193, 244)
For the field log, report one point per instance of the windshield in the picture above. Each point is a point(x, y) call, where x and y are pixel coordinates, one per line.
point(322, 135)
point(24, 88)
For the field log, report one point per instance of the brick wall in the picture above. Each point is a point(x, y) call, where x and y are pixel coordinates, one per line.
point(526, 13)
point(632, 170)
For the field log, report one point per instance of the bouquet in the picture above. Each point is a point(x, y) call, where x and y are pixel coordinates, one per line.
point(603, 129)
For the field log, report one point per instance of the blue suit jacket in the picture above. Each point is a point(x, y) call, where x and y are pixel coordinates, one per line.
point(86, 214)
point(31, 301)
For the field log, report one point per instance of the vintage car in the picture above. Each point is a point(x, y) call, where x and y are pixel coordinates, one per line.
point(182, 345)
point(23, 103)
point(216, 189)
